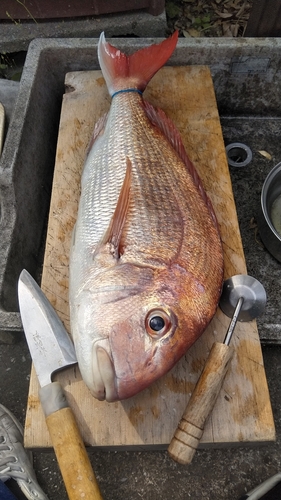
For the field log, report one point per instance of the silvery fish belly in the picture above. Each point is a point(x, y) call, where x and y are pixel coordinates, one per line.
point(146, 263)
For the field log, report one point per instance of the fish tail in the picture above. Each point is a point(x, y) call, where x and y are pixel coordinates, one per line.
point(134, 71)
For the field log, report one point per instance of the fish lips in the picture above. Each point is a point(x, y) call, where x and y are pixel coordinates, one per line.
point(104, 378)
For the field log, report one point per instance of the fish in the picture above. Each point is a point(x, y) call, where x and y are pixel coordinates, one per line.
point(146, 260)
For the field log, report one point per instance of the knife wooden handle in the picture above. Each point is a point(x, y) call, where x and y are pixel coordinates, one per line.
point(190, 429)
point(74, 463)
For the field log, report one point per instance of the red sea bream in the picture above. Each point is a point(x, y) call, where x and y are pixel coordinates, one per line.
point(146, 263)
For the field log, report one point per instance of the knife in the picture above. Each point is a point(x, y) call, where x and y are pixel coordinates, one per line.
point(51, 350)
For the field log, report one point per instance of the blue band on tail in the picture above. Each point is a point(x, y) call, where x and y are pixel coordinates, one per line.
point(126, 90)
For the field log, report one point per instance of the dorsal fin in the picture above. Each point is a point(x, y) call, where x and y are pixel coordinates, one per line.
point(167, 127)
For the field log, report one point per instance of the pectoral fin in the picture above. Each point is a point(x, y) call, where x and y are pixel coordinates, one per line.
point(110, 242)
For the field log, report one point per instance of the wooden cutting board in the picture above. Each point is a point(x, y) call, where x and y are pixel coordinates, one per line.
point(242, 412)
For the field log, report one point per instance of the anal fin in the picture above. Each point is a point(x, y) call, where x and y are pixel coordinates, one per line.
point(98, 131)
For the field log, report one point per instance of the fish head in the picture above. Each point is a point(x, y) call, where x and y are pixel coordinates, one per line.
point(135, 328)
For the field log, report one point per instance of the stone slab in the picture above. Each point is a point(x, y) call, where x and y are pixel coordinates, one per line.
point(16, 37)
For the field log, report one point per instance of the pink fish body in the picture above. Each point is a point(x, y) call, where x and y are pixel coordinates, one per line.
point(146, 265)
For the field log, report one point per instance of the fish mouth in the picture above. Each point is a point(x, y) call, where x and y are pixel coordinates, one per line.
point(104, 387)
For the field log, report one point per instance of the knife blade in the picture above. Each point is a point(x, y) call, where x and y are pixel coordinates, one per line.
point(51, 350)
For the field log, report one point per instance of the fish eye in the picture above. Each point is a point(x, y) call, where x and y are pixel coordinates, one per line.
point(157, 323)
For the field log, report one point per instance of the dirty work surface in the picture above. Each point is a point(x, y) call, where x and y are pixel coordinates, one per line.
point(242, 412)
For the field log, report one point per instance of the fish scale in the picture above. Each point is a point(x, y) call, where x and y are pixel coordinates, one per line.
point(149, 191)
point(146, 249)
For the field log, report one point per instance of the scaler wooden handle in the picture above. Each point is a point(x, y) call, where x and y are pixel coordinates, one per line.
point(73, 460)
point(200, 405)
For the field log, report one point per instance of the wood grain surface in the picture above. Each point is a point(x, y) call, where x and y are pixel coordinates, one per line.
point(242, 412)
point(72, 457)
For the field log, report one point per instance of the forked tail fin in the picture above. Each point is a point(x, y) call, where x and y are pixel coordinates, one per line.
point(134, 71)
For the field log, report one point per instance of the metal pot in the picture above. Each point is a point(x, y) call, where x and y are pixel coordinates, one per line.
point(270, 216)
